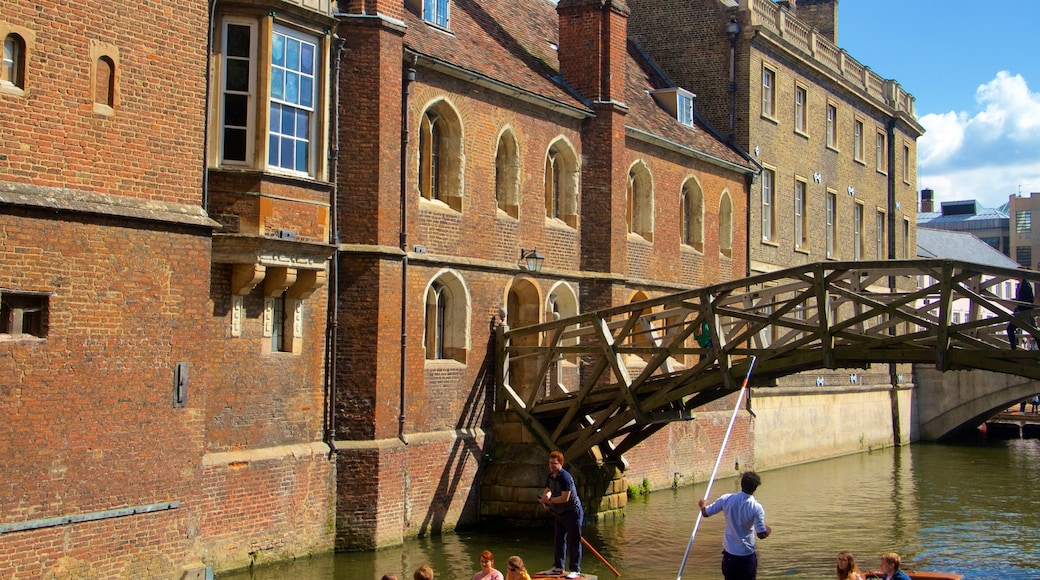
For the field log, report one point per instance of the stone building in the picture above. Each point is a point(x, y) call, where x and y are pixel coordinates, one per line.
point(1024, 247)
point(836, 143)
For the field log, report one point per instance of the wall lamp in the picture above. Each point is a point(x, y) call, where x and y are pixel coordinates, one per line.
point(531, 260)
point(733, 29)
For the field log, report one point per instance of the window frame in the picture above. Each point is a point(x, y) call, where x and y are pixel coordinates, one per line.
point(881, 152)
point(312, 110)
point(801, 108)
point(831, 217)
point(801, 215)
point(858, 130)
point(507, 175)
point(768, 92)
point(18, 309)
point(561, 185)
point(12, 62)
point(832, 126)
point(768, 205)
point(882, 250)
point(906, 163)
point(436, 12)
point(691, 206)
point(857, 231)
point(640, 201)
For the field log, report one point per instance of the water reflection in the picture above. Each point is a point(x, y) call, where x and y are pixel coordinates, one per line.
point(971, 508)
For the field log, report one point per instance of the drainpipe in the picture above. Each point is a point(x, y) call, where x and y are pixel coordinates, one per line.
point(333, 316)
point(733, 31)
point(205, 110)
point(893, 376)
point(405, 123)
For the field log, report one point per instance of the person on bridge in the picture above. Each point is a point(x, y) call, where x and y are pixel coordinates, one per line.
point(745, 520)
point(561, 496)
point(1023, 294)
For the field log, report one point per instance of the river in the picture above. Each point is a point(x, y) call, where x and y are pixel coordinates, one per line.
point(972, 507)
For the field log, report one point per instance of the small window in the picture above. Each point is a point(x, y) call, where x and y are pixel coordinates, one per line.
point(857, 231)
point(692, 207)
point(881, 154)
point(507, 175)
point(832, 223)
point(104, 86)
point(906, 163)
point(12, 69)
point(641, 202)
point(1023, 221)
point(768, 92)
point(881, 253)
point(23, 315)
point(832, 123)
point(906, 241)
point(857, 140)
point(684, 109)
point(726, 225)
point(294, 62)
point(436, 12)
point(440, 156)
point(799, 110)
point(561, 184)
point(801, 219)
point(768, 206)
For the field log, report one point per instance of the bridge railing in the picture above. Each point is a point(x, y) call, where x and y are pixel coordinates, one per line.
point(613, 377)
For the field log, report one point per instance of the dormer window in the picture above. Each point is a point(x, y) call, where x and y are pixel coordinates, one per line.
point(436, 12)
point(678, 102)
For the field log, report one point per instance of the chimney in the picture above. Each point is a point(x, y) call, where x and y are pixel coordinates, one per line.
point(927, 204)
point(819, 14)
point(592, 52)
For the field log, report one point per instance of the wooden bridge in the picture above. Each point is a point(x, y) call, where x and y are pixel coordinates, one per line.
point(612, 378)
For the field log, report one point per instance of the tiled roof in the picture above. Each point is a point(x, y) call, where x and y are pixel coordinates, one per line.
point(514, 42)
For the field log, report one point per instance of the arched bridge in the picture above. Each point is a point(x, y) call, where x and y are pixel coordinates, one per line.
point(612, 378)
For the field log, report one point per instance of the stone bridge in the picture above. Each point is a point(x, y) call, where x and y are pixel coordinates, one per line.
point(610, 379)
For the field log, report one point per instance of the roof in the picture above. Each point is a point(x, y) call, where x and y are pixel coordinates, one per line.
point(936, 219)
point(959, 246)
point(514, 42)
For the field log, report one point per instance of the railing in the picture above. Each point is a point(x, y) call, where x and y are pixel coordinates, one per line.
point(772, 17)
point(611, 378)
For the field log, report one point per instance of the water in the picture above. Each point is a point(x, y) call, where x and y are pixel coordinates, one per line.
point(972, 508)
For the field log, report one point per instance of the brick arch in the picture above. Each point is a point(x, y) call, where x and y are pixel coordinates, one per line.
point(446, 321)
point(691, 208)
point(640, 196)
point(441, 154)
point(561, 182)
point(507, 173)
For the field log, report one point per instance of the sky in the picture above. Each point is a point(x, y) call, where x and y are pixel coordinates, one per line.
point(973, 67)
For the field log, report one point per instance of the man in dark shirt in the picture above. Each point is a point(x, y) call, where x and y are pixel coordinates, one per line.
point(1024, 294)
point(561, 497)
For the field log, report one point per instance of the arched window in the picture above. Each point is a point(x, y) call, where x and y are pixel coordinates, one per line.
point(440, 156)
point(13, 63)
point(640, 213)
point(726, 225)
point(507, 175)
point(692, 213)
point(446, 335)
point(561, 183)
point(105, 85)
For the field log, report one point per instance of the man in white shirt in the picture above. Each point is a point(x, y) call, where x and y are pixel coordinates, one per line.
point(745, 520)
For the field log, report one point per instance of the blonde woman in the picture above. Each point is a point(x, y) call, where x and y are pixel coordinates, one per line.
point(515, 569)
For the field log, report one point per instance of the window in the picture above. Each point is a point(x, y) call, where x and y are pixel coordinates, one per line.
point(436, 12)
point(446, 320)
point(561, 184)
point(768, 206)
point(906, 163)
point(104, 84)
point(684, 108)
point(507, 175)
point(104, 78)
point(881, 155)
point(799, 110)
point(832, 132)
point(1024, 255)
point(801, 219)
point(640, 196)
point(857, 231)
point(440, 156)
point(906, 239)
point(278, 98)
point(293, 66)
point(23, 314)
point(768, 92)
point(1023, 221)
point(12, 66)
point(832, 222)
point(692, 207)
point(881, 253)
point(284, 292)
point(726, 225)
point(857, 140)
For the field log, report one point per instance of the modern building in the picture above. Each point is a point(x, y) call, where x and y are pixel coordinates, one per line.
point(988, 224)
point(1024, 246)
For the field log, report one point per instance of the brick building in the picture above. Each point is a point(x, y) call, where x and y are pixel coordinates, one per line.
point(478, 130)
point(162, 343)
point(249, 296)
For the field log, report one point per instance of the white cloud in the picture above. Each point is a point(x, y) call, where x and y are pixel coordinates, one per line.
point(986, 155)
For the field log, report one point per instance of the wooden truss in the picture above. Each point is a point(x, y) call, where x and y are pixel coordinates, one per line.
point(610, 379)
